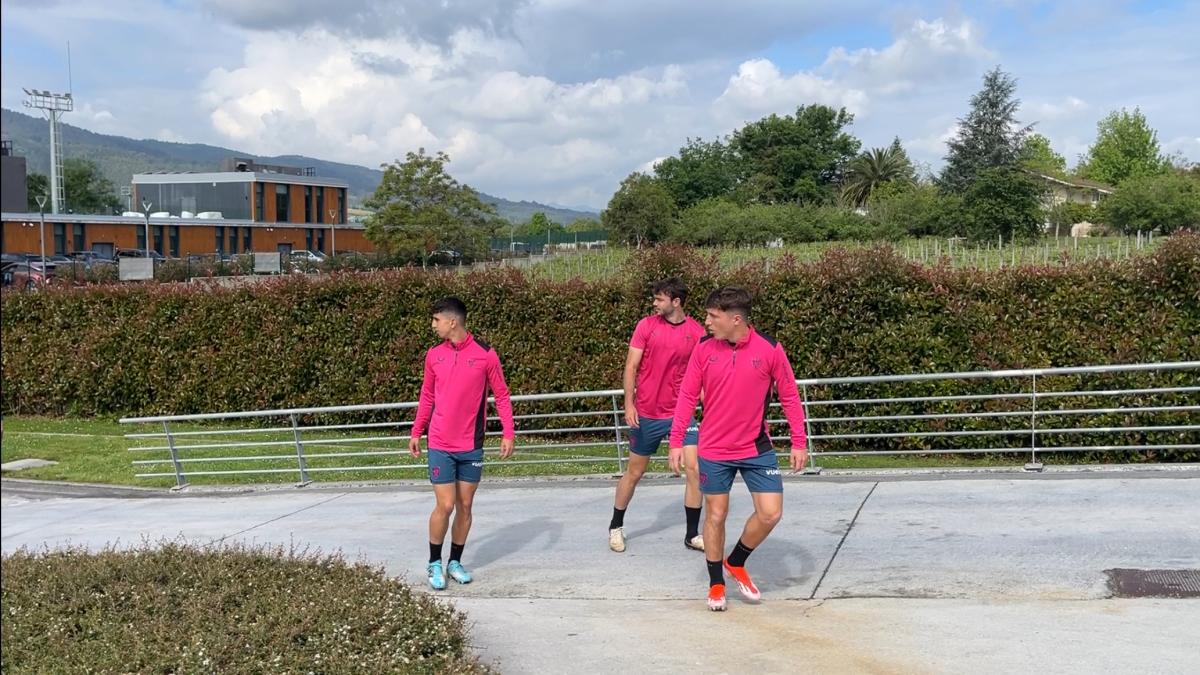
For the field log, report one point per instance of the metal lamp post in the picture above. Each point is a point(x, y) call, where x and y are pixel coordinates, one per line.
point(332, 232)
point(41, 202)
point(146, 204)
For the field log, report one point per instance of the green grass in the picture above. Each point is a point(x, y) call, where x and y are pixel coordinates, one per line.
point(95, 451)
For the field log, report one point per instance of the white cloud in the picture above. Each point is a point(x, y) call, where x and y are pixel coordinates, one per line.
point(925, 52)
point(759, 88)
point(1070, 106)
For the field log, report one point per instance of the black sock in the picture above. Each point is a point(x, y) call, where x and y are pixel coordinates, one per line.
point(456, 551)
point(618, 519)
point(693, 520)
point(435, 552)
point(737, 558)
point(716, 575)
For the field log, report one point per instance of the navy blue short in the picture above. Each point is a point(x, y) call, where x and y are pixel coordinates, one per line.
point(447, 467)
point(760, 472)
point(650, 433)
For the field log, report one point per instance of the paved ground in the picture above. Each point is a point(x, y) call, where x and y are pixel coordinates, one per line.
point(943, 573)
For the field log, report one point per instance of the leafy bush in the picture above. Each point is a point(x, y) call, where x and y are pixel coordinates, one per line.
point(184, 609)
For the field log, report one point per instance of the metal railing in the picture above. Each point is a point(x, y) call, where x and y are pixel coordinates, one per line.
point(1029, 412)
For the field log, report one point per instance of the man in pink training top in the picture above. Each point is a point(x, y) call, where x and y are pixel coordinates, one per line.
point(453, 406)
point(658, 354)
point(736, 370)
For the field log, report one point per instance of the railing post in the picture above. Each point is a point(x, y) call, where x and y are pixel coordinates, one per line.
point(304, 479)
point(1033, 464)
point(812, 469)
point(617, 435)
point(180, 481)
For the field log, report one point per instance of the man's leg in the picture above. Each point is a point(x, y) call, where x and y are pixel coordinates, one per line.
point(443, 507)
point(716, 507)
point(691, 498)
point(465, 499)
point(439, 522)
point(634, 471)
point(766, 488)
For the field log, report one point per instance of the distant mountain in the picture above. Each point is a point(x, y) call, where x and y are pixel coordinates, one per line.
point(119, 158)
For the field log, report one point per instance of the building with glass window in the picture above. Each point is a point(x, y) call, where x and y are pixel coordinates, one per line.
point(244, 207)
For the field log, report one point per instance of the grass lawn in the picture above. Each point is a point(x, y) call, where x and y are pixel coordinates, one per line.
point(96, 451)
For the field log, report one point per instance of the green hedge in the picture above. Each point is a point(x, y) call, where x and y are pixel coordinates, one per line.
point(359, 338)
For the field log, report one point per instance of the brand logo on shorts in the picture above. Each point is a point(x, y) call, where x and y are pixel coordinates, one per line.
point(772, 472)
point(476, 464)
point(703, 478)
point(435, 471)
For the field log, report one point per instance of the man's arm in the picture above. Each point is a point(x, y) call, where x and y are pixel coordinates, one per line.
point(633, 360)
point(495, 374)
point(793, 407)
point(424, 409)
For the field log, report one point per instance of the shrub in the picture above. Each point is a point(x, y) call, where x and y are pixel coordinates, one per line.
point(179, 608)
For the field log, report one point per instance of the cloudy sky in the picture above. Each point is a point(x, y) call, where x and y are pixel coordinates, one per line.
point(558, 100)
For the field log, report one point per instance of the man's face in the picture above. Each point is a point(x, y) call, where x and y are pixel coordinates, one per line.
point(722, 324)
point(443, 323)
point(663, 304)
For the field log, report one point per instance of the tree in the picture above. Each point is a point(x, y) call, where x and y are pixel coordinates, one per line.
point(86, 189)
point(420, 209)
point(1003, 201)
point(872, 169)
point(537, 226)
point(988, 137)
point(640, 212)
point(914, 209)
point(1166, 202)
point(702, 170)
point(1037, 155)
point(794, 158)
point(1126, 147)
point(37, 184)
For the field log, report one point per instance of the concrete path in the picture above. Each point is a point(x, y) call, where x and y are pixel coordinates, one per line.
point(942, 574)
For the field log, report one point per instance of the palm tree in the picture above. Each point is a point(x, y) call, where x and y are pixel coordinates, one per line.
point(874, 168)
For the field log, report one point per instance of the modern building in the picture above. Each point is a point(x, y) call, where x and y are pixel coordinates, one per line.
point(14, 192)
point(242, 208)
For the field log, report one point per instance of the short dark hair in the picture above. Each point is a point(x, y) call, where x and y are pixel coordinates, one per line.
point(672, 288)
point(451, 305)
point(730, 299)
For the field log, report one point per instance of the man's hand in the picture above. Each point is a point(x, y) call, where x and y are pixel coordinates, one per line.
point(675, 460)
point(799, 457)
point(631, 417)
point(506, 448)
point(414, 446)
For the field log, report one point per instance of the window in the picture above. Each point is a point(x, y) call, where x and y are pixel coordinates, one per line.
point(321, 205)
point(281, 203)
point(258, 202)
point(174, 234)
point(308, 239)
point(246, 239)
point(321, 240)
point(79, 243)
point(308, 205)
point(141, 231)
point(60, 238)
point(220, 231)
point(158, 238)
point(233, 239)
point(341, 204)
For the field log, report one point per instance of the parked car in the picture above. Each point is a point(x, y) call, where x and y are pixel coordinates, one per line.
point(90, 258)
point(23, 275)
point(307, 256)
point(140, 253)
